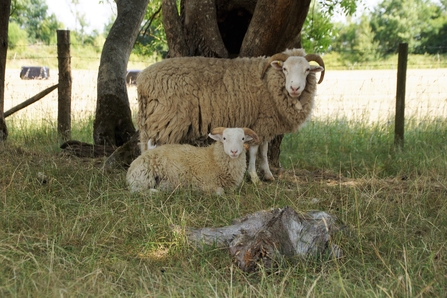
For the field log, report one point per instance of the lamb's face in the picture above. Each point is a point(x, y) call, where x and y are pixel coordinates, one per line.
point(296, 69)
point(233, 140)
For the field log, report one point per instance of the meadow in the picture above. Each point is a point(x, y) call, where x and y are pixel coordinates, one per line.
point(69, 229)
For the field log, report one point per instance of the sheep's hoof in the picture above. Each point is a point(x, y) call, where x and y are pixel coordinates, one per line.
point(269, 177)
point(254, 178)
point(220, 191)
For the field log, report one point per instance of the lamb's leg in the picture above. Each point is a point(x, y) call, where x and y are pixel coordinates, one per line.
point(252, 164)
point(265, 162)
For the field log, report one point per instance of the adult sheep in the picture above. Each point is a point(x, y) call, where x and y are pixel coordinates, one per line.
point(180, 99)
point(214, 168)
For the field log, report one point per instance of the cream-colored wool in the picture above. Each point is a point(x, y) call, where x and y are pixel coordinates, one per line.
point(213, 169)
point(180, 99)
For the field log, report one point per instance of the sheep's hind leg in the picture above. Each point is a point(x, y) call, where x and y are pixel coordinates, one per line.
point(252, 164)
point(268, 176)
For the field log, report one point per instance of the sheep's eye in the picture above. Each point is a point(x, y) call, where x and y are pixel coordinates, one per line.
point(308, 69)
point(284, 69)
point(243, 139)
point(224, 138)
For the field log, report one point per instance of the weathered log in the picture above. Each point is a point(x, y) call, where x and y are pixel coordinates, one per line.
point(81, 149)
point(267, 237)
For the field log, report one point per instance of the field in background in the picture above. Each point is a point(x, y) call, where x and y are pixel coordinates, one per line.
point(364, 95)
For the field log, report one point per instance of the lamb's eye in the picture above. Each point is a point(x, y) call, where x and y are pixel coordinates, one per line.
point(224, 138)
point(243, 139)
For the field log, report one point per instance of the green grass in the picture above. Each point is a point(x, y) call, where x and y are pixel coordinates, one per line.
point(79, 232)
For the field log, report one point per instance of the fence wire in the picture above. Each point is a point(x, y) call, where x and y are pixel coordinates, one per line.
point(357, 95)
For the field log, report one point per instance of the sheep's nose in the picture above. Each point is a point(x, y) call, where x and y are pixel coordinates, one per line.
point(234, 152)
point(295, 89)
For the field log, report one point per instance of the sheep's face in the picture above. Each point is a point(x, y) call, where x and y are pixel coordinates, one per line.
point(295, 70)
point(233, 140)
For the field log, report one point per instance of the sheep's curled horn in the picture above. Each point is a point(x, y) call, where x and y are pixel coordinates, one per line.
point(283, 57)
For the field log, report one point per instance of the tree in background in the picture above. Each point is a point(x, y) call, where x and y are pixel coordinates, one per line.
point(397, 21)
point(32, 16)
point(152, 38)
point(80, 18)
point(317, 33)
point(113, 124)
point(5, 7)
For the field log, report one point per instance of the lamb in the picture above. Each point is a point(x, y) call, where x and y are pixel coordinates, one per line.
point(215, 168)
point(180, 99)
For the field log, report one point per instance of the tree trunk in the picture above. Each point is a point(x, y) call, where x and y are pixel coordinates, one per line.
point(232, 28)
point(113, 121)
point(5, 7)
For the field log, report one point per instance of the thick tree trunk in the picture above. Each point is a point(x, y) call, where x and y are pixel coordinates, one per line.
point(113, 122)
point(231, 28)
point(5, 7)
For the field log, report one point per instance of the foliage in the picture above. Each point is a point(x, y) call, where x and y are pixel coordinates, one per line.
point(355, 42)
point(69, 227)
point(316, 35)
point(396, 21)
point(32, 16)
point(16, 36)
point(151, 40)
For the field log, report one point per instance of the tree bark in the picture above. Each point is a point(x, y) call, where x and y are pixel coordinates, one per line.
point(5, 7)
point(113, 122)
point(266, 237)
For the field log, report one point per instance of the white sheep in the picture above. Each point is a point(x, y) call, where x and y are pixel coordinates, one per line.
point(214, 168)
point(180, 99)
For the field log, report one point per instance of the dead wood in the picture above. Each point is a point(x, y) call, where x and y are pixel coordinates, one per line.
point(81, 149)
point(267, 237)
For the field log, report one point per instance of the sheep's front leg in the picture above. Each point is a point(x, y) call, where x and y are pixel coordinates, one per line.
point(252, 164)
point(268, 176)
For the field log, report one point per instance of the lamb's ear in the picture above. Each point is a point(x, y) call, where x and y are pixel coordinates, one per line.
point(250, 135)
point(216, 137)
point(216, 133)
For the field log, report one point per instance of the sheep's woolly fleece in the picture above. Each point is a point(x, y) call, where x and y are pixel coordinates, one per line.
point(181, 99)
point(173, 165)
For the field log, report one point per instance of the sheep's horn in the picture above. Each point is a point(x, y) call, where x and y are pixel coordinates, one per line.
point(251, 133)
point(280, 56)
point(319, 60)
point(218, 130)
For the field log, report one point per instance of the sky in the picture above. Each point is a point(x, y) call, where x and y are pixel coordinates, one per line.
point(97, 14)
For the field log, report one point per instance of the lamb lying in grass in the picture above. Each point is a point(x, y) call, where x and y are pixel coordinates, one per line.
point(216, 168)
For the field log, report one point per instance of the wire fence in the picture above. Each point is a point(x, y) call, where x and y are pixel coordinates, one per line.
point(366, 95)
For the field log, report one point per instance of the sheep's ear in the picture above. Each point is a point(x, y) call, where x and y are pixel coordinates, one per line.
point(277, 64)
point(314, 68)
point(216, 133)
point(216, 137)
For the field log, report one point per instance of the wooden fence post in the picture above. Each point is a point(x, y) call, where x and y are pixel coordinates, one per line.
point(400, 95)
point(64, 89)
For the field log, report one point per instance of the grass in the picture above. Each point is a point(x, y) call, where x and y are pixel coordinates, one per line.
point(88, 57)
point(69, 229)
